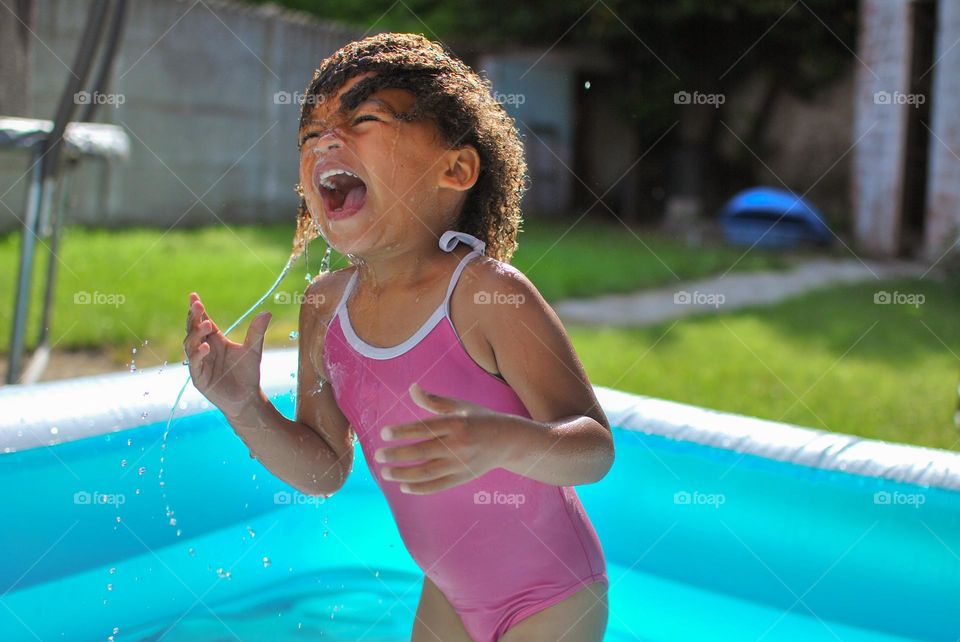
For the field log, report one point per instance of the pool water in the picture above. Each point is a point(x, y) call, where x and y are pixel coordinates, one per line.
point(701, 544)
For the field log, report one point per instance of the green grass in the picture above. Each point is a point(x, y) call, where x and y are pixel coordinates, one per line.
point(593, 258)
point(880, 371)
point(154, 272)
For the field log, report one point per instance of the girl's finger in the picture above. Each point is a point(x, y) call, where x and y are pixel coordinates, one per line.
point(434, 427)
point(197, 335)
point(432, 486)
point(427, 471)
point(427, 449)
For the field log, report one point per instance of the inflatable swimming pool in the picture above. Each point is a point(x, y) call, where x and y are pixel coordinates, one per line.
point(715, 527)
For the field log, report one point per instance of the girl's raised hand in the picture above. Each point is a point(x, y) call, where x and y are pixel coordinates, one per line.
point(463, 441)
point(225, 372)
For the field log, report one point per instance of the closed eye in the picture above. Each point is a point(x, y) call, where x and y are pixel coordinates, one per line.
point(364, 117)
point(356, 121)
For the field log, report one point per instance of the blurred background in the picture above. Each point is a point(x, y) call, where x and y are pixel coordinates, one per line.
point(752, 206)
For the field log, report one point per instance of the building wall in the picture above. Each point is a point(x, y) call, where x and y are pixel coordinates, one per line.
point(210, 140)
point(538, 94)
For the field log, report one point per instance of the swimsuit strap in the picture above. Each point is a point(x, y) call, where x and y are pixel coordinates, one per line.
point(449, 239)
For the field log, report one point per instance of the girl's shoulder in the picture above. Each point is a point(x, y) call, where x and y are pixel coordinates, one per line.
point(320, 298)
point(507, 296)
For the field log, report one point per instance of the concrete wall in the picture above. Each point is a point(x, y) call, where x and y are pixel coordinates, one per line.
point(209, 139)
point(943, 178)
point(538, 94)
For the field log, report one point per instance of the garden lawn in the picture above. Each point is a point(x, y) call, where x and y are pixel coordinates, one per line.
point(123, 289)
point(831, 359)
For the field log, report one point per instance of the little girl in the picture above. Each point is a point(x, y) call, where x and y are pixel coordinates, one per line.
point(472, 410)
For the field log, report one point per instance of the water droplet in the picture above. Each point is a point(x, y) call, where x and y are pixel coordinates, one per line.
point(118, 519)
point(142, 470)
point(109, 587)
point(266, 562)
point(129, 442)
point(173, 521)
point(192, 552)
point(134, 351)
point(179, 532)
point(254, 477)
point(223, 574)
point(293, 335)
point(586, 85)
point(252, 532)
point(123, 463)
point(113, 570)
point(54, 430)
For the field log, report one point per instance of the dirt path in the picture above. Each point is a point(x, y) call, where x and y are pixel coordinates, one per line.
point(730, 292)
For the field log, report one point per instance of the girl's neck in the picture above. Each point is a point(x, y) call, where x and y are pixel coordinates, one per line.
point(401, 268)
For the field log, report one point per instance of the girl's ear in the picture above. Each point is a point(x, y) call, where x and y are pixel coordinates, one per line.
point(461, 168)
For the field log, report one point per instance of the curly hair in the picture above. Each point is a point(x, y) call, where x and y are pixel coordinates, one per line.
point(461, 105)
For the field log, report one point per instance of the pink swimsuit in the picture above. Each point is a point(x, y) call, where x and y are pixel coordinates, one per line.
point(500, 547)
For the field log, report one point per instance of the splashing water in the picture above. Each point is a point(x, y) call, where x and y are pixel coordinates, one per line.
point(306, 231)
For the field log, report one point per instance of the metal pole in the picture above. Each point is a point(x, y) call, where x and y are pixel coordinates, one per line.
point(27, 244)
point(43, 176)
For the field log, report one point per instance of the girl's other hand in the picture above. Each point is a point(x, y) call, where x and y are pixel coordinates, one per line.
point(464, 441)
point(225, 372)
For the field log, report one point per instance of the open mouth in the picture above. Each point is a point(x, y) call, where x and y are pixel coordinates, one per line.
point(342, 191)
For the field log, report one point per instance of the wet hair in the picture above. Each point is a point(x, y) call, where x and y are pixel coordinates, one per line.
point(461, 105)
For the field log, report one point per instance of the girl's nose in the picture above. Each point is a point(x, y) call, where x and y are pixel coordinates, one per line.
point(329, 139)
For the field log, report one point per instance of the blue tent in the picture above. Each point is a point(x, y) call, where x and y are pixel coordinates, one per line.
point(771, 217)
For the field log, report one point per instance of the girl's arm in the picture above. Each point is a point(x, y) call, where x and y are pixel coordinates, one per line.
point(567, 441)
point(314, 454)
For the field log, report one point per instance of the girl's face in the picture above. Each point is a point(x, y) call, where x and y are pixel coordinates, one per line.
point(372, 181)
